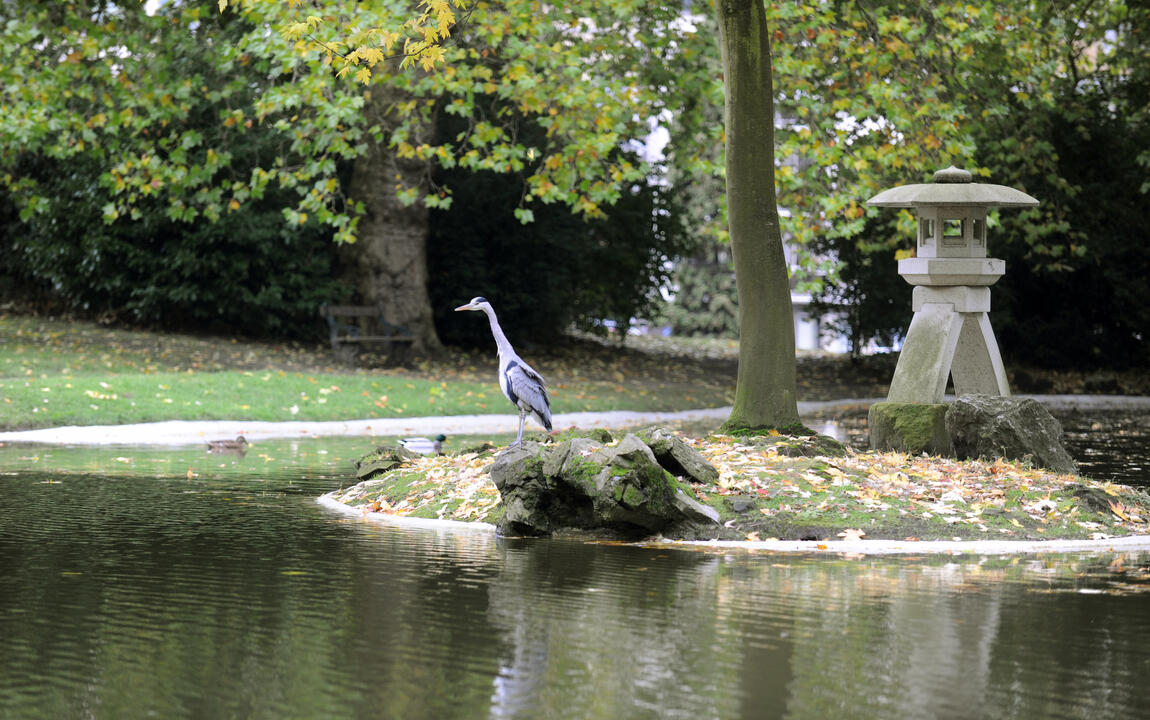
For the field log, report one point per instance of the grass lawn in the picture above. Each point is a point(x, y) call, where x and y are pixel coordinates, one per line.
point(56, 372)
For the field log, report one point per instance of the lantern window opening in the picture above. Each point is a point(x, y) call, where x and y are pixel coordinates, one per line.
point(953, 232)
point(979, 232)
point(926, 231)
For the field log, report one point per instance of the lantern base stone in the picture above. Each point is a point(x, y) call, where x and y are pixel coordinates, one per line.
point(909, 427)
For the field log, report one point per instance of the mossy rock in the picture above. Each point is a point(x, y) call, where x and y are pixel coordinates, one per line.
point(910, 427)
point(990, 426)
point(599, 435)
point(383, 459)
point(582, 484)
point(676, 456)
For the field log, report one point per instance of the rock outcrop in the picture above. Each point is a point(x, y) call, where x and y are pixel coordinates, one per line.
point(989, 426)
point(583, 484)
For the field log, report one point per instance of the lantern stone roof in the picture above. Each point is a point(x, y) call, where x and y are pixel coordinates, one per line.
point(952, 186)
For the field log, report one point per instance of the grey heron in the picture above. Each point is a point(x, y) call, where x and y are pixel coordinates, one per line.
point(521, 383)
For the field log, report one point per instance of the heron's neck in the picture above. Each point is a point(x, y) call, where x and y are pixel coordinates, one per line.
point(501, 342)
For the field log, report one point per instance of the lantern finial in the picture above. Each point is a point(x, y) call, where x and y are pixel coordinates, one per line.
point(952, 175)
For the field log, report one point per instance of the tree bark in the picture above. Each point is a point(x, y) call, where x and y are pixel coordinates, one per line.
point(388, 262)
point(765, 393)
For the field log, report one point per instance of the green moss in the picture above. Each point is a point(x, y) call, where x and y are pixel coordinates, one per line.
point(909, 427)
point(916, 423)
point(631, 496)
point(581, 472)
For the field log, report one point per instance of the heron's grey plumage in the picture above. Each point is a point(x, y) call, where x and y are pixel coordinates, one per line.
point(521, 383)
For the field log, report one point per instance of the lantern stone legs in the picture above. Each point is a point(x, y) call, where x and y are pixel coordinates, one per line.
point(950, 335)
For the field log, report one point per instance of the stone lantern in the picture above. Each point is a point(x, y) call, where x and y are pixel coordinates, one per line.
point(950, 334)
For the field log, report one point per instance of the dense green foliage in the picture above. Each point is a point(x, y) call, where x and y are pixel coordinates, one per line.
point(705, 302)
point(556, 272)
point(1072, 128)
point(869, 301)
point(171, 170)
point(179, 167)
point(251, 272)
point(1093, 313)
point(1048, 97)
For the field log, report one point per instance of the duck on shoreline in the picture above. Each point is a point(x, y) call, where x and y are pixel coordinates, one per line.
point(424, 446)
point(237, 446)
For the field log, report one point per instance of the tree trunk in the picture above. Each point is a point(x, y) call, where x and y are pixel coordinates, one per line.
point(765, 391)
point(388, 262)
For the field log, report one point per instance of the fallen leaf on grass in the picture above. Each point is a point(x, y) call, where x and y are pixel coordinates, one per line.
point(1119, 509)
point(853, 534)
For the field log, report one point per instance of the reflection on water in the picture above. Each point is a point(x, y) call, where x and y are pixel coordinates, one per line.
point(223, 595)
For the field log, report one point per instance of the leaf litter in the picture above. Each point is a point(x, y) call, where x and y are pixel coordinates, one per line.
point(763, 492)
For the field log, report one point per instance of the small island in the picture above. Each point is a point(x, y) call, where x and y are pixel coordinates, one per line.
point(764, 487)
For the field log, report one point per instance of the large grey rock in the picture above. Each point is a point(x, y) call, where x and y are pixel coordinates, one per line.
point(533, 503)
point(989, 426)
point(383, 459)
point(581, 484)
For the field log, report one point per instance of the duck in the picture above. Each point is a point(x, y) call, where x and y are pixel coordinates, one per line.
point(239, 445)
point(423, 445)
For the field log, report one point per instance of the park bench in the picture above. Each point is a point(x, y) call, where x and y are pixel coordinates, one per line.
point(355, 326)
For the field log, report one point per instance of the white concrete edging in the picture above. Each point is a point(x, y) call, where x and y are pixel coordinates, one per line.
point(811, 547)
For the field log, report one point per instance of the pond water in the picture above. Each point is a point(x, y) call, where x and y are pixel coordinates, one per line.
point(163, 582)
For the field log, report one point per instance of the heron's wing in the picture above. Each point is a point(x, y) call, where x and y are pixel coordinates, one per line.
point(529, 390)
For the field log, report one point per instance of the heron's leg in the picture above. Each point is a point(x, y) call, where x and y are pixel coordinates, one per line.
point(522, 419)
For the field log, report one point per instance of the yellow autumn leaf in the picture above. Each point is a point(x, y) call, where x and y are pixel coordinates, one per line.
point(1119, 509)
point(370, 55)
point(294, 31)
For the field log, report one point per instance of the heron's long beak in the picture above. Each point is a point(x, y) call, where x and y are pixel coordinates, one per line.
point(465, 307)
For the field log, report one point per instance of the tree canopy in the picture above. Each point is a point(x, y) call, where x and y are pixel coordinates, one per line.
point(102, 80)
point(202, 115)
point(171, 106)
